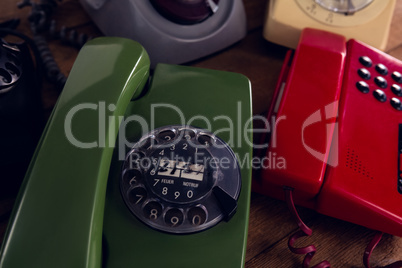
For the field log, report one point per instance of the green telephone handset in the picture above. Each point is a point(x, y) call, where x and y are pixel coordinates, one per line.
point(137, 172)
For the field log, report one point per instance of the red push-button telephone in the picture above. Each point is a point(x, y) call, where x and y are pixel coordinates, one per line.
point(338, 113)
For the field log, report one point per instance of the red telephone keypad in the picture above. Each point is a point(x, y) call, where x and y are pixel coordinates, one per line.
point(369, 126)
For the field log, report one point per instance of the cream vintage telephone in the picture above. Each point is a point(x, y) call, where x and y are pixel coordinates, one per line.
point(364, 20)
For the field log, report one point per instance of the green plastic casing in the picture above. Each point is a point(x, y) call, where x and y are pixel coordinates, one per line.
point(70, 213)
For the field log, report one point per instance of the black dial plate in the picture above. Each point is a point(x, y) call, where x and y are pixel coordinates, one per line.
point(171, 176)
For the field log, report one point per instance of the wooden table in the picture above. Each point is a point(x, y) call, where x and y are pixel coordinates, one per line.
point(339, 242)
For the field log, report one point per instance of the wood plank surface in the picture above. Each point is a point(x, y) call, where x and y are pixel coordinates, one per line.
point(339, 242)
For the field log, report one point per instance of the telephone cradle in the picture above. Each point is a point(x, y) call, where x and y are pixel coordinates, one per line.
point(114, 181)
point(172, 32)
point(338, 125)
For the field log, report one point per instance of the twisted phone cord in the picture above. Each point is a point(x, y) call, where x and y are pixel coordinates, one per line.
point(68, 37)
point(40, 25)
point(370, 248)
point(309, 251)
point(52, 72)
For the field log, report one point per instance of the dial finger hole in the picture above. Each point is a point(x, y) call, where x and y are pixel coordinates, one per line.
point(5, 77)
point(13, 70)
point(13, 59)
point(137, 195)
point(174, 217)
point(187, 134)
point(132, 177)
point(205, 140)
point(167, 135)
point(152, 210)
point(197, 216)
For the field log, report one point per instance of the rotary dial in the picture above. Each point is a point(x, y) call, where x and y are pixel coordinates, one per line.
point(343, 13)
point(173, 179)
point(344, 6)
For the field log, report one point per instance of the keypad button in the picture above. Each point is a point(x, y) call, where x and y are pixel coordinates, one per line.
point(397, 90)
point(364, 73)
point(174, 217)
point(381, 69)
point(397, 76)
point(396, 103)
point(380, 81)
point(363, 86)
point(380, 95)
point(365, 61)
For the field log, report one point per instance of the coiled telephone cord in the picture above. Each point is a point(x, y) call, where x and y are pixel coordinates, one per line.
point(52, 70)
point(369, 249)
point(68, 37)
point(309, 251)
point(40, 25)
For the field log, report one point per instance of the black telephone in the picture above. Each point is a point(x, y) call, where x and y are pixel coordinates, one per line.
point(20, 113)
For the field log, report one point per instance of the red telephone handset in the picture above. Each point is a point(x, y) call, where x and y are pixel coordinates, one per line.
point(338, 133)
